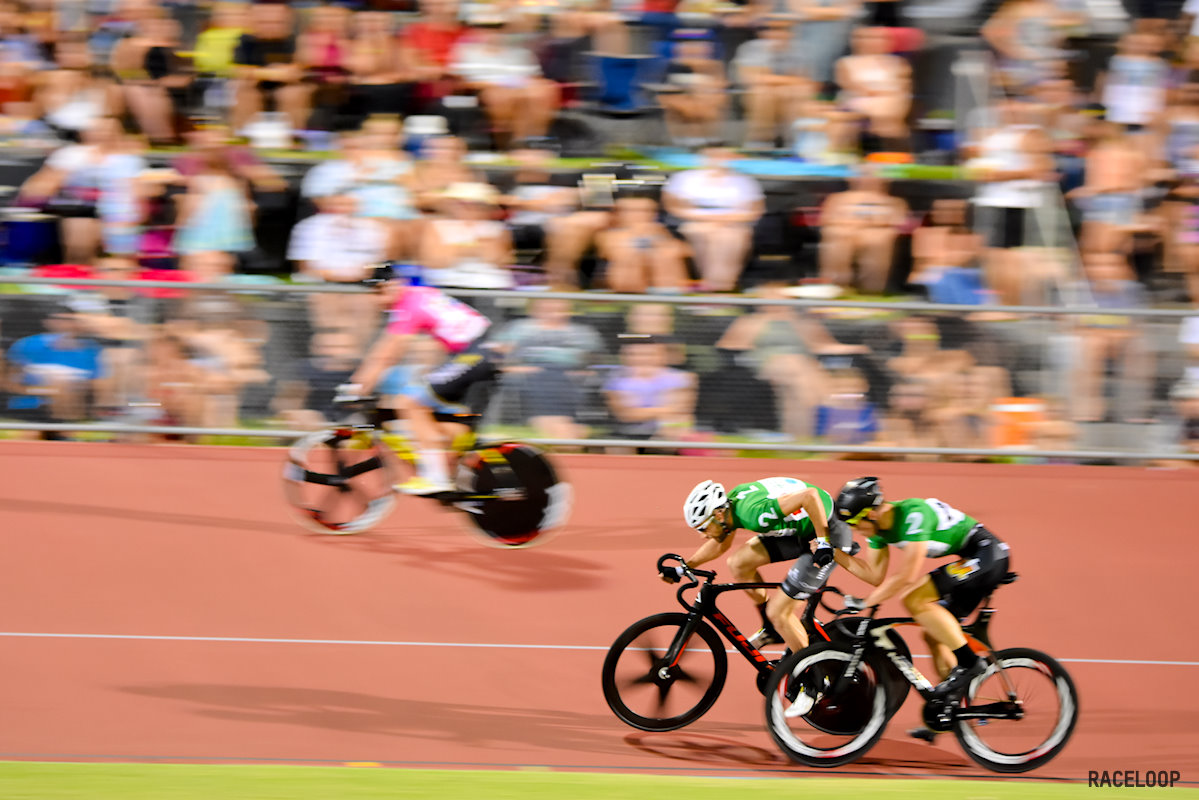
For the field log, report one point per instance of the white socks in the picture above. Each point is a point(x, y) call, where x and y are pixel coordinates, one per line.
point(432, 466)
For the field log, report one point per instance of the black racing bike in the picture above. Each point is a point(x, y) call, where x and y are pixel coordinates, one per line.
point(1015, 716)
point(665, 671)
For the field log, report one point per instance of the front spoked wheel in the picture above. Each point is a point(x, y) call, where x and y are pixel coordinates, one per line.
point(840, 719)
point(339, 481)
point(651, 692)
point(1048, 710)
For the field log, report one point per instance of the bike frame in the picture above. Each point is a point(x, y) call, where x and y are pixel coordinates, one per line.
point(977, 635)
point(704, 607)
point(373, 428)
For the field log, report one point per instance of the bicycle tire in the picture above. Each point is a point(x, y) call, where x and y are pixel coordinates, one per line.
point(674, 621)
point(867, 701)
point(524, 500)
point(1062, 729)
point(338, 484)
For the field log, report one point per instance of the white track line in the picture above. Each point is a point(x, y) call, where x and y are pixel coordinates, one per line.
point(500, 645)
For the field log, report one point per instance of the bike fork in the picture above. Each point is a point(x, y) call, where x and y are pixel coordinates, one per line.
point(679, 645)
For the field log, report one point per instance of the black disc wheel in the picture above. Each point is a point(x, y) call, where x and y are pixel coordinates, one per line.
point(819, 718)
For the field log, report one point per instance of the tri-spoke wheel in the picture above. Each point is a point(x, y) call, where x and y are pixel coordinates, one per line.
point(654, 681)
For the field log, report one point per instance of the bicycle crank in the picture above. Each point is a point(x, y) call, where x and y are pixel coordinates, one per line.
point(938, 716)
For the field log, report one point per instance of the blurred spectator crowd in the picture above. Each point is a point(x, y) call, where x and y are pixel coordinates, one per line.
point(771, 149)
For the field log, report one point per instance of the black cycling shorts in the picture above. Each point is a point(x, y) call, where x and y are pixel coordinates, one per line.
point(980, 568)
point(476, 366)
point(789, 548)
point(808, 573)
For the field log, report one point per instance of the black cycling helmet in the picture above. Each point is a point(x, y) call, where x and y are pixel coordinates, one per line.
point(856, 498)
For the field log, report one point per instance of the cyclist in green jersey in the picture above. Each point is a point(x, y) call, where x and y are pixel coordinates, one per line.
point(784, 516)
point(938, 600)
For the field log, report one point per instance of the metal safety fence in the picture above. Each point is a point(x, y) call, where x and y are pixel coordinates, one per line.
point(145, 360)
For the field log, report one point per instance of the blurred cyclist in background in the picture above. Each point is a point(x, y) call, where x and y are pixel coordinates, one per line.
point(460, 329)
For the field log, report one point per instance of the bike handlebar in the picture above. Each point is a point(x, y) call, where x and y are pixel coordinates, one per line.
point(694, 575)
point(688, 571)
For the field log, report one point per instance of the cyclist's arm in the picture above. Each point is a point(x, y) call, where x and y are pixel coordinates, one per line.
point(871, 566)
point(807, 500)
point(905, 578)
point(385, 352)
point(712, 549)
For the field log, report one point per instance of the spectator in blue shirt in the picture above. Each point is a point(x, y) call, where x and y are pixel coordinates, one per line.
point(846, 416)
point(53, 375)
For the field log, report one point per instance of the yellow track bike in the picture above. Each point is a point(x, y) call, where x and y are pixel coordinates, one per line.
point(339, 480)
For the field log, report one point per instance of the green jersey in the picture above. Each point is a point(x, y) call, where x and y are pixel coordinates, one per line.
point(941, 525)
point(756, 507)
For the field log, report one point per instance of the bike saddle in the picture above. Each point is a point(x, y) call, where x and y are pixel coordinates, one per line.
point(1011, 577)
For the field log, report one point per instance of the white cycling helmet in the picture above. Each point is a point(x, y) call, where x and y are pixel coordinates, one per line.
point(701, 504)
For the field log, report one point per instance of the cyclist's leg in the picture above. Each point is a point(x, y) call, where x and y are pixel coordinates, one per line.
point(809, 573)
point(442, 391)
point(745, 562)
point(943, 658)
point(430, 439)
point(925, 606)
point(449, 384)
point(956, 588)
point(978, 570)
point(781, 611)
point(942, 631)
point(759, 551)
point(952, 591)
point(391, 387)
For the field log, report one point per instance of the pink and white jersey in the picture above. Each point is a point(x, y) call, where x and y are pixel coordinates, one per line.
point(426, 309)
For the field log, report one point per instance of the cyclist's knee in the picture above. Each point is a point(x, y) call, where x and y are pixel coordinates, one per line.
point(779, 610)
point(744, 562)
point(920, 598)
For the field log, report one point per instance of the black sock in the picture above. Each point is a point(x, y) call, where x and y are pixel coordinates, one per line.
point(966, 657)
point(765, 619)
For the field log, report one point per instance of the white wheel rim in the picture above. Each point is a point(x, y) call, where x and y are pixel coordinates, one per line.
point(778, 723)
point(1056, 737)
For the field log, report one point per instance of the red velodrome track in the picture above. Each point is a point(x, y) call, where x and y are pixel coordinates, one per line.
point(134, 576)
